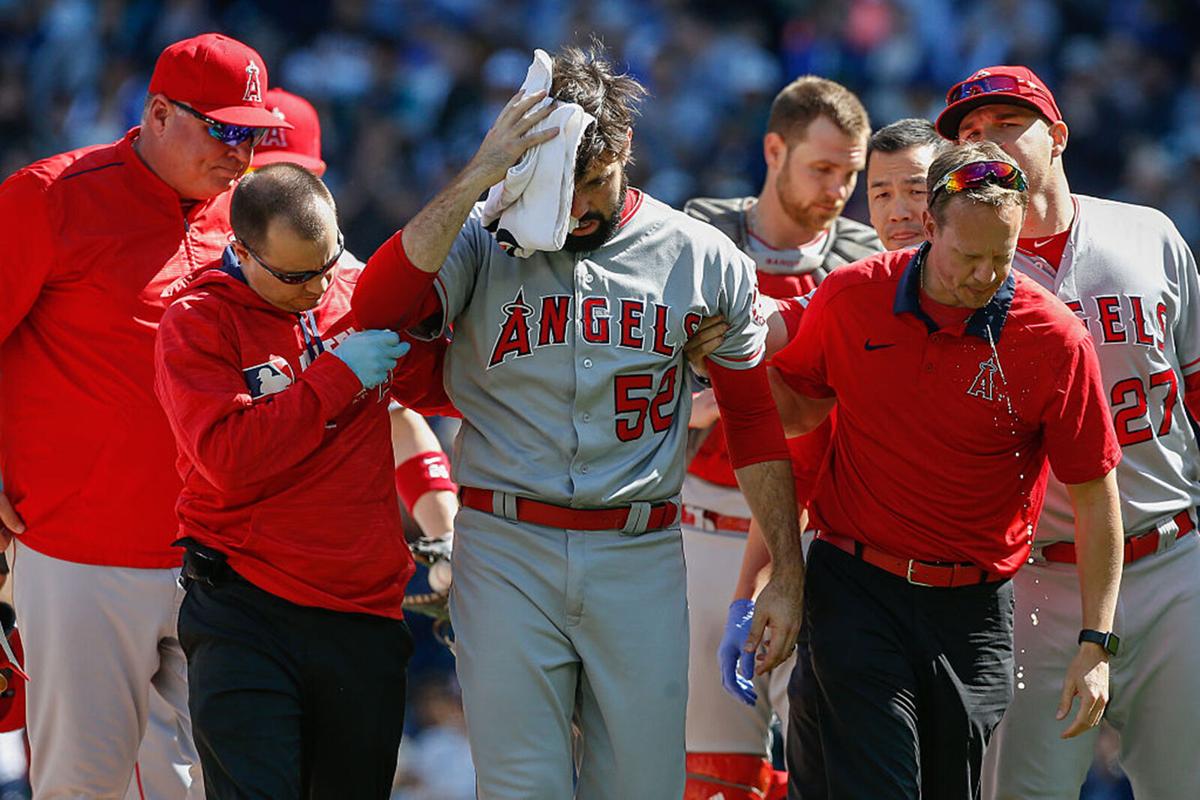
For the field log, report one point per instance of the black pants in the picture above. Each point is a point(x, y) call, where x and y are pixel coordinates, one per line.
point(903, 687)
point(291, 702)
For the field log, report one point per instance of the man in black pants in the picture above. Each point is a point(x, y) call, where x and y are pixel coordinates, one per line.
point(296, 561)
point(982, 378)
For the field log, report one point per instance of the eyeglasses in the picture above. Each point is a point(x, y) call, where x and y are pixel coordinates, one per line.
point(978, 173)
point(295, 278)
point(223, 132)
point(988, 84)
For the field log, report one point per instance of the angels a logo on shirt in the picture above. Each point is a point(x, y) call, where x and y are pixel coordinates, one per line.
point(271, 376)
point(253, 93)
point(513, 338)
point(984, 385)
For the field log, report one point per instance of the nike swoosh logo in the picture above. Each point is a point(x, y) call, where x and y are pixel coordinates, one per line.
point(1043, 243)
point(870, 346)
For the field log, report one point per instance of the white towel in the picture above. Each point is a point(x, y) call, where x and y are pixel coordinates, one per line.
point(530, 209)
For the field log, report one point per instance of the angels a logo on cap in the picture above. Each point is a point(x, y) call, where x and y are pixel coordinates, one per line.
point(253, 93)
point(275, 137)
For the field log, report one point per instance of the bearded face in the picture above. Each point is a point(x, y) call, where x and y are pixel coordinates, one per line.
point(597, 203)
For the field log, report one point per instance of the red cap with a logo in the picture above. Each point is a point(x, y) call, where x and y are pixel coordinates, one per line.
point(219, 77)
point(299, 145)
point(1001, 84)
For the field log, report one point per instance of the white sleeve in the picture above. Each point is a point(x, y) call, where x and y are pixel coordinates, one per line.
point(744, 344)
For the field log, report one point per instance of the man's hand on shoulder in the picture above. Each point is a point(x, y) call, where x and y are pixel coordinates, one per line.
point(704, 342)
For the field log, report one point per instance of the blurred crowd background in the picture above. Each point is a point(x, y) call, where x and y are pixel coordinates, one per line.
point(406, 88)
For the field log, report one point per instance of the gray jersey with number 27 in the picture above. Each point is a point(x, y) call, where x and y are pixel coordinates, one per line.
point(1129, 275)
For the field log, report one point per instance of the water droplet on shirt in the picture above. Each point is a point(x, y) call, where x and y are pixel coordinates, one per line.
point(1033, 618)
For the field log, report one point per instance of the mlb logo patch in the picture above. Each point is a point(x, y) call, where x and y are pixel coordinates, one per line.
point(273, 375)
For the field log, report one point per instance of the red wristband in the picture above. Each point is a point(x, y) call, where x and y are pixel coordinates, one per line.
point(424, 472)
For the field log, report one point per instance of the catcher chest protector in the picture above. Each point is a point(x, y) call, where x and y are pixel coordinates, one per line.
point(847, 241)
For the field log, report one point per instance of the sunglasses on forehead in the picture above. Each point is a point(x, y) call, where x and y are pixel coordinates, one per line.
point(295, 278)
point(223, 132)
point(988, 84)
point(978, 173)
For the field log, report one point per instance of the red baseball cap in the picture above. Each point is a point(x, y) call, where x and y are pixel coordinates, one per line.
point(299, 145)
point(1001, 84)
point(219, 77)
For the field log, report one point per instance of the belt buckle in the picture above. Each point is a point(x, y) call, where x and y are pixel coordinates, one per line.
point(908, 575)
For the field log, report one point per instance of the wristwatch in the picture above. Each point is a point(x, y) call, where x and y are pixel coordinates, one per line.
point(1109, 641)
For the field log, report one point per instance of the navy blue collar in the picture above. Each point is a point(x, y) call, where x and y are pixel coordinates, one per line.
point(231, 266)
point(989, 319)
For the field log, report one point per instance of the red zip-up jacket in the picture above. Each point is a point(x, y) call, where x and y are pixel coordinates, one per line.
point(286, 462)
point(92, 240)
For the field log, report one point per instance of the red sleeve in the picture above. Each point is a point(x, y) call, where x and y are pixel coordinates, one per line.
point(1191, 395)
point(418, 381)
point(753, 431)
point(28, 247)
point(791, 309)
point(224, 433)
point(1080, 440)
point(802, 363)
point(392, 292)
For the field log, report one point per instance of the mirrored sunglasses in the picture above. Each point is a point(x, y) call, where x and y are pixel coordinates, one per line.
point(223, 132)
point(988, 84)
point(978, 173)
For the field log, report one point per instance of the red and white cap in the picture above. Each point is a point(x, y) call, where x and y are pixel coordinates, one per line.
point(1016, 85)
point(301, 144)
point(218, 76)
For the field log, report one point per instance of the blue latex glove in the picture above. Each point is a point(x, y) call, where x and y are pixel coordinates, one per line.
point(732, 660)
point(371, 355)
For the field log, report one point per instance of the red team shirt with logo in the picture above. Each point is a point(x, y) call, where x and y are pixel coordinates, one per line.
point(286, 462)
point(942, 442)
point(93, 242)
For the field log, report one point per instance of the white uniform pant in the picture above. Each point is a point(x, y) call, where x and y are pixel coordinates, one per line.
point(1155, 682)
point(717, 723)
point(99, 643)
point(555, 628)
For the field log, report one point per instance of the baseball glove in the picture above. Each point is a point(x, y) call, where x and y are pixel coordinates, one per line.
point(436, 606)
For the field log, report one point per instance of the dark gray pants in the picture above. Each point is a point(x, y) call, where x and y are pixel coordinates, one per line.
point(903, 687)
point(292, 702)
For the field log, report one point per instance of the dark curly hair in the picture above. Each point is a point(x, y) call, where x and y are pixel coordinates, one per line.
point(588, 78)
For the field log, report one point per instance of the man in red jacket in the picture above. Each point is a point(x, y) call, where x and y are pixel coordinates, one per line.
point(93, 241)
point(296, 561)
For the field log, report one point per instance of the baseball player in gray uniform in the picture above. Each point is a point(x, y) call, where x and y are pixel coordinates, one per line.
point(1131, 278)
point(569, 601)
point(814, 147)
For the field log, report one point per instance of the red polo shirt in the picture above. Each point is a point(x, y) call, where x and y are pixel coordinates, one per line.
point(942, 441)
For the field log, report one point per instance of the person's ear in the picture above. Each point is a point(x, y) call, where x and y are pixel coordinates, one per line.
point(157, 112)
point(775, 151)
point(1059, 134)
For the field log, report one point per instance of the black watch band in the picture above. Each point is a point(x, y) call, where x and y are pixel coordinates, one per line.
point(1109, 641)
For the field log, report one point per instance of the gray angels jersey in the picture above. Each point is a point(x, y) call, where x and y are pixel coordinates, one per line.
point(568, 368)
point(1129, 275)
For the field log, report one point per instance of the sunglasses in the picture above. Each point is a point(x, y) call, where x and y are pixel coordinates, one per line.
point(988, 84)
point(978, 173)
point(295, 278)
point(223, 132)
